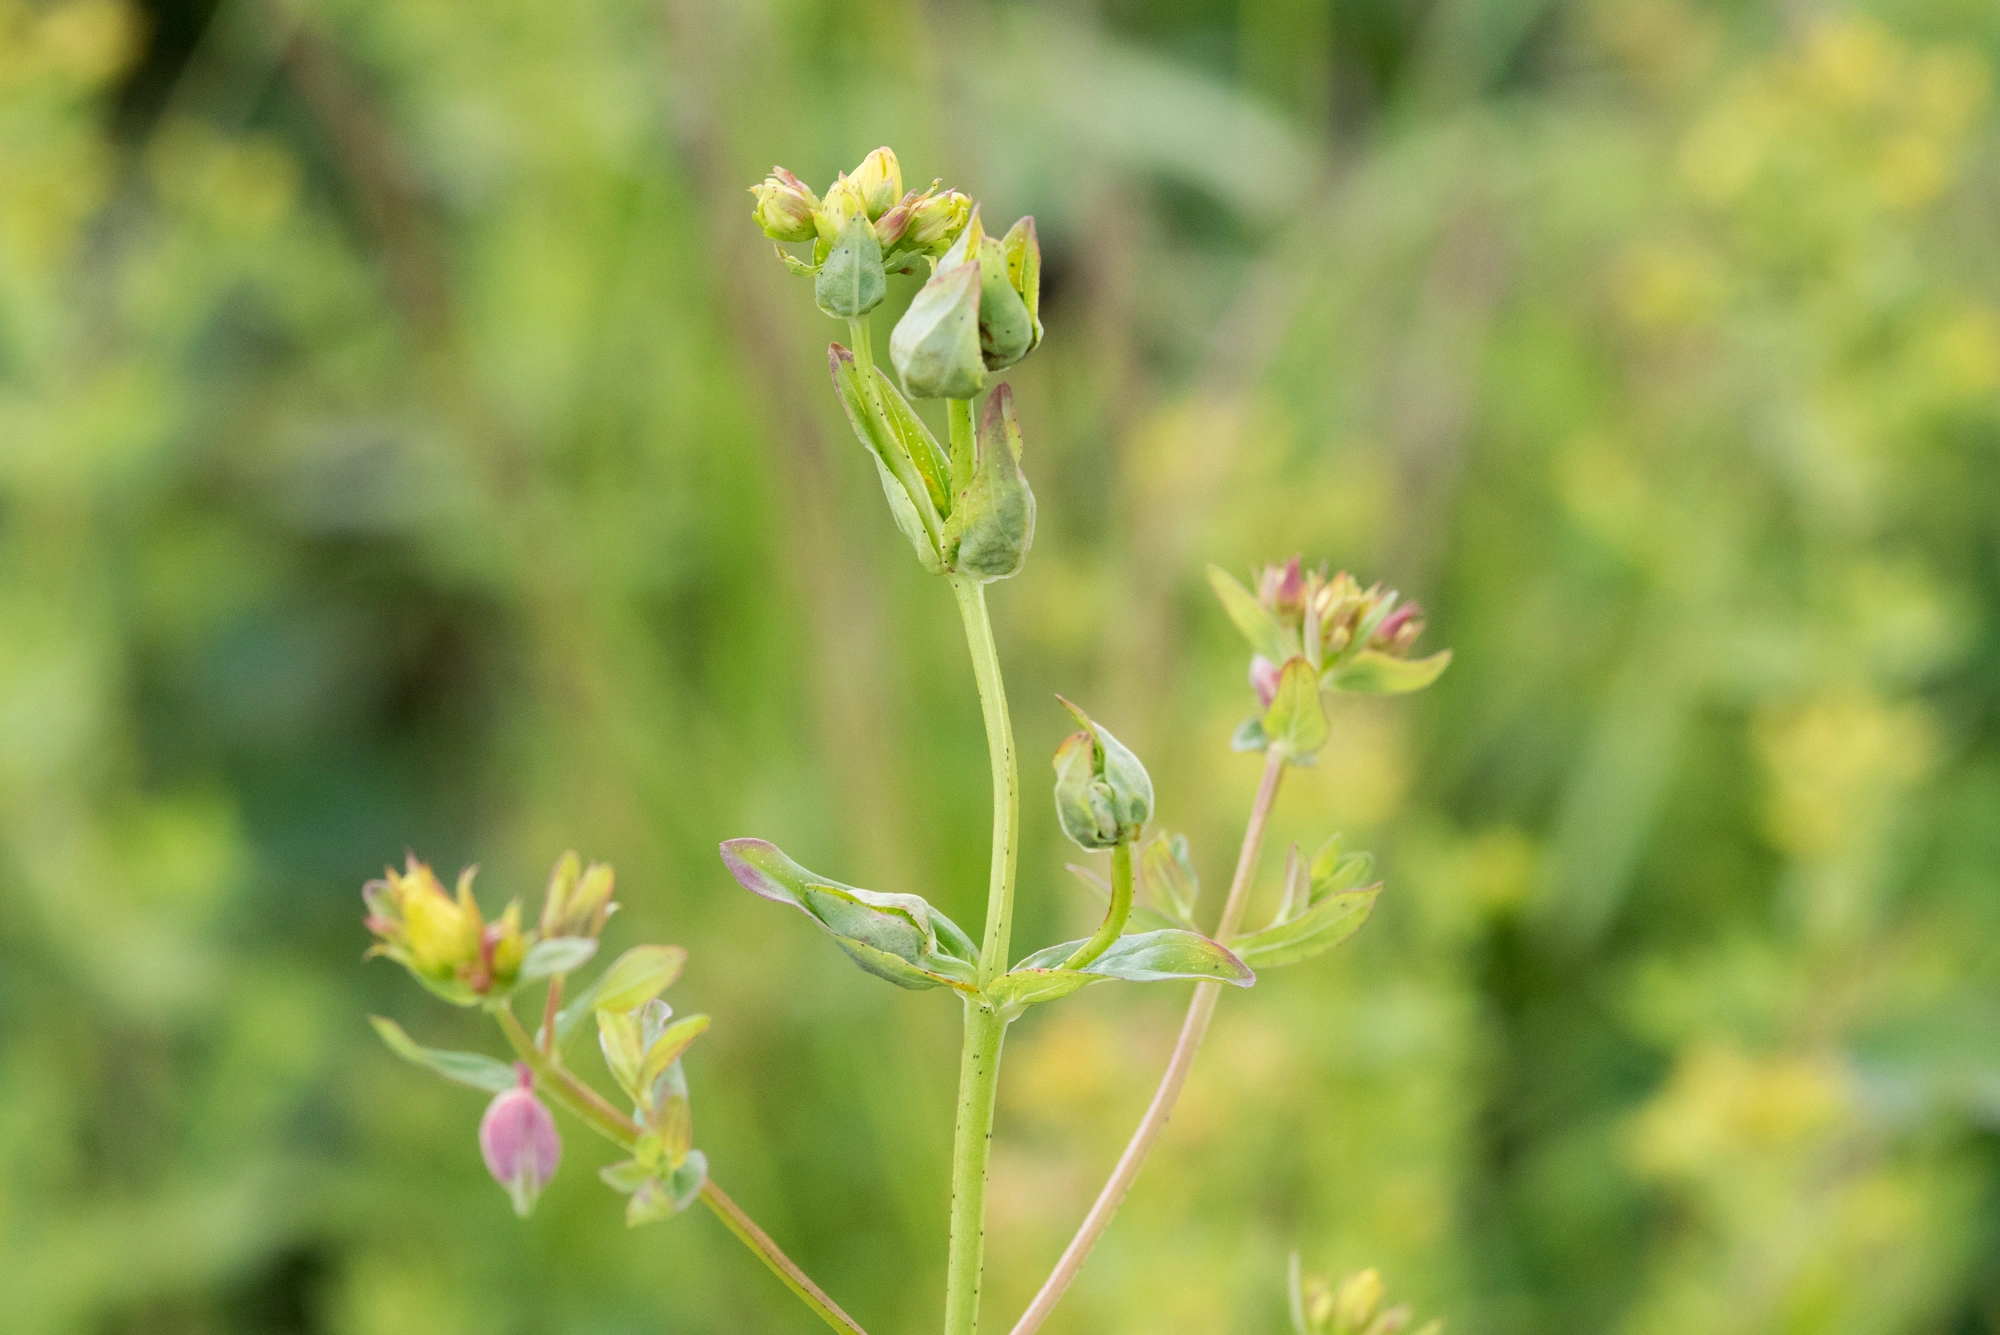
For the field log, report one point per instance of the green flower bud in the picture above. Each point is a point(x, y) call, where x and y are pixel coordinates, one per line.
point(992, 522)
point(1006, 330)
point(785, 207)
point(1104, 797)
point(578, 900)
point(879, 180)
point(1024, 270)
point(937, 220)
point(843, 203)
point(935, 346)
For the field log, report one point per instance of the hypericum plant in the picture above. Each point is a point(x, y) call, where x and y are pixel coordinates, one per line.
point(967, 511)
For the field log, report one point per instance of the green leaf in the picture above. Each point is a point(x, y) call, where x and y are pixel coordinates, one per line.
point(1267, 635)
point(1166, 955)
point(1330, 921)
point(668, 1048)
point(466, 1068)
point(1295, 723)
point(851, 282)
point(917, 441)
point(1374, 673)
point(886, 451)
point(1249, 735)
point(558, 954)
point(1168, 871)
point(634, 978)
point(992, 521)
point(619, 1039)
point(897, 937)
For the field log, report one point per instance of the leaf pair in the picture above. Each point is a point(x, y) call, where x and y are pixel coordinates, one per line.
point(1166, 954)
point(897, 937)
point(643, 1048)
point(1324, 903)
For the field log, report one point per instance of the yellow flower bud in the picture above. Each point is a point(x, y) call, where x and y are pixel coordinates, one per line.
point(785, 207)
point(879, 179)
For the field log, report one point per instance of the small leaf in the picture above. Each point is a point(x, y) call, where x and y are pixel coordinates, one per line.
point(1375, 673)
point(916, 439)
point(624, 1177)
point(1296, 721)
point(1320, 928)
point(618, 1037)
point(1267, 635)
point(891, 463)
point(851, 282)
point(1165, 955)
point(558, 954)
point(465, 1068)
point(1298, 887)
point(634, 978)
point(1168, 871)
point(1249, 736)
point(668, 1049)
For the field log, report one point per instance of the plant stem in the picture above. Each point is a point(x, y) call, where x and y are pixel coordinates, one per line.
point(1193, 1029)
point(545, 1038)
point(1115, 916)
point(979, 1062)
point(591, 1108)
point(971, 596)
point(978, 1082)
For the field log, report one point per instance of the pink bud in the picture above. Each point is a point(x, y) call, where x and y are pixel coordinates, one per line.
point(518, 1138)
point(1264, 676)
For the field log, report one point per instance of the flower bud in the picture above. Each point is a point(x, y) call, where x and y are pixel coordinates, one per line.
point(1356, 1301)
point(423, 928)
point(842, 205)
point(1264, 675)
point(891, 226)
point(1006, 330)
point(785, 207)
point(935, 346)
point(578, 901)
point(879, 181)
point(519, 1141)
point(936, 220)
point(1104, 796)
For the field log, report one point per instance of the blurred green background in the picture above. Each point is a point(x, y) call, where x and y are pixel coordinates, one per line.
point(406, 441)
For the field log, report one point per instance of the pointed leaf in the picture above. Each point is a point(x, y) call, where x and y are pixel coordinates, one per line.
point(558, 954)
point(1165, 955)
point(1375, 673)
point(1267, 635)
point(891, 463)
point(1249, 735)
point(917, 441)
point(634, 978)
point(466, 1068)
point(669, 1048)
point(1320, 928)
point(1296, 721)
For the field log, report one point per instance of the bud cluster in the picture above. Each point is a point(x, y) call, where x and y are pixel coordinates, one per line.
point(1350, 1308)
point(1332, 619)
point(442, 938)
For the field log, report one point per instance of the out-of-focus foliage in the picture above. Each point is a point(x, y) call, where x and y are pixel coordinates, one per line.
point(406, 441)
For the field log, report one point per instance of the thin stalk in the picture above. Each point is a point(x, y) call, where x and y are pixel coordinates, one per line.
point(591, 1108)
point(545, 1038)
point(1115, 916)
point(1193, 1029)
point(979, 1062)
point(978, 1083)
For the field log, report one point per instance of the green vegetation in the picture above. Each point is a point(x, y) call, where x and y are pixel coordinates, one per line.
point(407, 442)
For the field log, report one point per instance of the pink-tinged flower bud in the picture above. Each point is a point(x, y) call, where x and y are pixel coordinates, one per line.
point(1399, 630)
point(889, 228)
point(1264, 676)
point(1282, 589)
point(518, 1138)
point(784, 207)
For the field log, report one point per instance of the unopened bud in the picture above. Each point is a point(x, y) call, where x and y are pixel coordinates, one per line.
point(879, 180)
point(519, 1141)
point(1399, 630)
point(578, 901)
point(435, 935)
point(1356, 1301)
point(1104, 797)
point(936, 220)
point(843, 204)
point(891, 226)
point(1264, 675)
point(785, 207)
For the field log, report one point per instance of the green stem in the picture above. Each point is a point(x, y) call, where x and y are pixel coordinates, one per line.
point(979, 1062)
point(1115, 916)
point(971, 596)
point(978, 1083)
point(591, 1108)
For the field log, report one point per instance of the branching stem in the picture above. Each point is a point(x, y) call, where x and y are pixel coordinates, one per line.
point(591, 1108)
point(1193, 1029)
